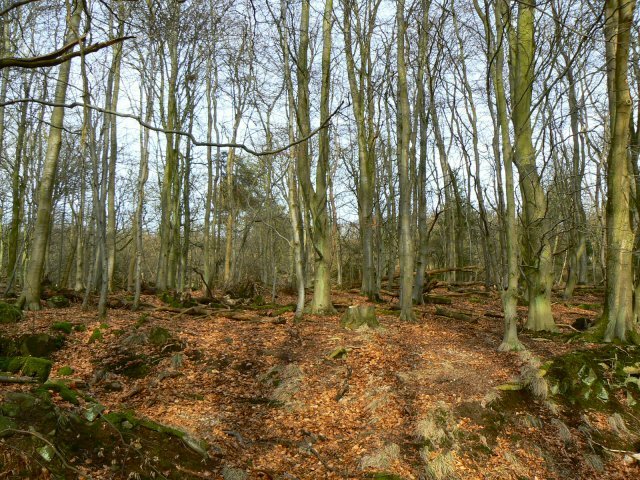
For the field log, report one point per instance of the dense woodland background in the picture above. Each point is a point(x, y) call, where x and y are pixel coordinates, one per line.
point(194, 145)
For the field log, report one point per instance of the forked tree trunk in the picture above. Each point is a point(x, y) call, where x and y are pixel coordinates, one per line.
point(537, 231)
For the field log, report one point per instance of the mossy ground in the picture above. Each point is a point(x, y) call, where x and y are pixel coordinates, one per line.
point(137, 449)
point(9, 313)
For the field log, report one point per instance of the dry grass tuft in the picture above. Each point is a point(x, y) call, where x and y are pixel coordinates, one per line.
point(491, 397)
point(594, 461)
point(532, 375)
point(382, 458)
point(563, 431)
point(442, 467)
point(230, 473)
point(438, 427)
point(617, 424)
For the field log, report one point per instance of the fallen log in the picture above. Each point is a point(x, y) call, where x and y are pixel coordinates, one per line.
point(250, 317)
point(445, 312)
point(390, 293)
point(14, 379)
point(436, 300)
point(195, 311)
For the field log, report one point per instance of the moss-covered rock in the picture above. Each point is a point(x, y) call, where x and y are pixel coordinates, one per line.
point(9, 313)
point(39, 344)
point(6, 425)
point(65, 327)
point(38, 368)
point(597, 378)
point(58, 301)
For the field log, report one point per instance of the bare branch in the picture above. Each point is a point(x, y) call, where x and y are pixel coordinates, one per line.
point(57, 57)
point(13, 6)
point(191, 137)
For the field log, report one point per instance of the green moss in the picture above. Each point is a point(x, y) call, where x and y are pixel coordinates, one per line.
point(58, 301)
point(159, 336)
point(174, 302)
point(65, 371)
point(104, 326)
point(279, 311)
point(60, 387)
point(65, 327)
point(80, 327)
point(9, 313)
point(38, 368)
point(96, 336)
point(258, 300)
point(144, 318)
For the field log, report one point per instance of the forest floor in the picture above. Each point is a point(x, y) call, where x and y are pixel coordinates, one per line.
point(274, 399)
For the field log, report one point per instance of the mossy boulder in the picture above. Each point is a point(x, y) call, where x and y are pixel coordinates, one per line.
point(9, 313)
point(358, 316)
point(39, 344)
point(58, 301)
point(38, 368)
point(598, 378)
point(128, 421)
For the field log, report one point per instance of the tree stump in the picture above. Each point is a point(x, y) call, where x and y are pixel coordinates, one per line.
point(359, 315)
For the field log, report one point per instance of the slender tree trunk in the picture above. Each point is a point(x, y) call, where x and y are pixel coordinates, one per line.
point(113, 151)
point(421, 183)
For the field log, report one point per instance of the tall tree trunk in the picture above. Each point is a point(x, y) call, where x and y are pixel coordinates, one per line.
point(32, 288)
point(406, 242)
point(166, 263)
point(619, 288)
